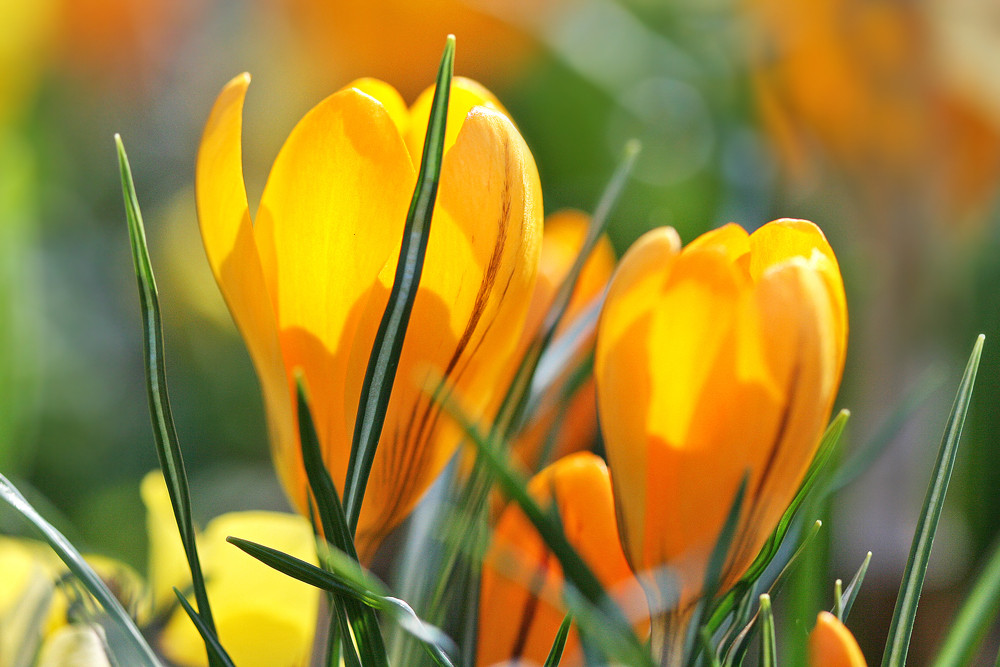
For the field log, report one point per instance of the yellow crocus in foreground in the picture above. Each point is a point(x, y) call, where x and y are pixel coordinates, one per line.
point(308, 281)
point(831, 644)
point(520, 606)
point(714, 361)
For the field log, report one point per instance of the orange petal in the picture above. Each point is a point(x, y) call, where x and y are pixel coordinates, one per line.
point(831, 644)
point(522, 583)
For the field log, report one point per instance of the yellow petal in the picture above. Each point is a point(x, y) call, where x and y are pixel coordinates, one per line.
point(465, 94)
point(831, 644)
point(389, 98)
point(229, 243)
point(479, 272)
point(623, 378)
point(521, 606)
point(263, 617)
point(331, 216)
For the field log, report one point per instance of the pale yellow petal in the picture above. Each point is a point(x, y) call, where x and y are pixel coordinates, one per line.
point(263, 617)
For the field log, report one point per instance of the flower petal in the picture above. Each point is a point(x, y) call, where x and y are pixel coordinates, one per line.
point(831, 644)
point(389, 97)
point(331, 217)
point(621, 371)
point(479, 272)
point(271, 624)
point(521, 606)
point(229, 243)
point(465, 94)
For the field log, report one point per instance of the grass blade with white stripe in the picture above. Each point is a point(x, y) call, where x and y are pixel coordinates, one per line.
point(164, 435)
point(81, 570)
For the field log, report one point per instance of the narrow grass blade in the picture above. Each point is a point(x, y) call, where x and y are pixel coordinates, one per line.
point(81, 570)
point(559, 643)
point(617, 640)
point(905, 612)
point(768, 647)
point(335, 529)
point(974, 619)
point(216, 653)
point(168, 447)
point(388, 345)
point(346, 577)
point(853, 588)
point(714, 571)
point(838, 600)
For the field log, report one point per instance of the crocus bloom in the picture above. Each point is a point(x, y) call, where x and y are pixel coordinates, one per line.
point(520, 606)
point(712, 362)
point(308, 282)
point(564, 235)
point(831, 644)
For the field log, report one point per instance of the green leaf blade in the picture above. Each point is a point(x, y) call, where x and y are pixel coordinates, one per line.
point(905, 612)
point(164, 434)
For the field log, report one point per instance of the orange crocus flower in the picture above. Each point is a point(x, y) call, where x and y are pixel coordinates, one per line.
point(308, 282)
point(831, 644)
point(712, 362)
point(520, 605)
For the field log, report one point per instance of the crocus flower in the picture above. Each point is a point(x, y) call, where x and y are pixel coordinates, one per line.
point(831, 644)
point(521, 606)
point(307, 283)
point(716, 361)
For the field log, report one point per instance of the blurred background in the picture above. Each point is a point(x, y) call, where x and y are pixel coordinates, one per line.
point(877, 119)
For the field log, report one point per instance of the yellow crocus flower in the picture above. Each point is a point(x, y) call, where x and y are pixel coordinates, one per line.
point(308, 281)
point(831, 644)
point(520, 605)
point(712, 362)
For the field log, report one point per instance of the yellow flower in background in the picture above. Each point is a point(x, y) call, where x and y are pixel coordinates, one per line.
point(520, 605)
point(831, 644)
point(564, 235)
point(308, 281)
point(713, 361)
point(263, 617)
